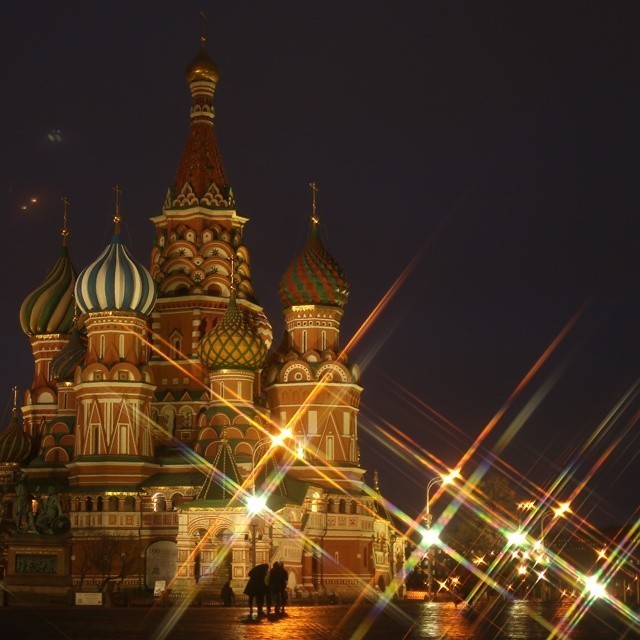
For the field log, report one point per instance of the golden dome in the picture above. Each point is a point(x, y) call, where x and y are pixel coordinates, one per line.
point(202, 68)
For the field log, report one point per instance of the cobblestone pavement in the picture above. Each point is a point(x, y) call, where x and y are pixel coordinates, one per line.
point(217, 623)
point(406, 621)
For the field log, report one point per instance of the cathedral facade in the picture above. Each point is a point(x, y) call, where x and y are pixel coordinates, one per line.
point(185, 447)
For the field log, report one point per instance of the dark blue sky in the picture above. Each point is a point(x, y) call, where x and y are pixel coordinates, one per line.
point(499, 139)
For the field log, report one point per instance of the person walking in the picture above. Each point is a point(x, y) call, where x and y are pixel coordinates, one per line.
point(284, 579)
point(275, 590)
point(256, 588)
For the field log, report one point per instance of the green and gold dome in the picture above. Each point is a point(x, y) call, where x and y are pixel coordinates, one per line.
point(232, 344)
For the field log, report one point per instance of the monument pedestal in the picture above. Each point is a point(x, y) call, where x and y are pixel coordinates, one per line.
point(38, 565)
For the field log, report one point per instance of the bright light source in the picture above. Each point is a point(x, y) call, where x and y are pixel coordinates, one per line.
point(277, 440)
point(517, 538)
point(256, 504)
point(451, 476)
point(430, 537)
point(594, 587)
point(562, 508)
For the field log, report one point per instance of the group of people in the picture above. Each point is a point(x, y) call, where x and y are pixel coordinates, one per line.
point(267, 586)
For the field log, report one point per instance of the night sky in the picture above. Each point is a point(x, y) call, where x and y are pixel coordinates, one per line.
point(490, 149)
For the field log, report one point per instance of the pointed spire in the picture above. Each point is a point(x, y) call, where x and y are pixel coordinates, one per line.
point(200, 178)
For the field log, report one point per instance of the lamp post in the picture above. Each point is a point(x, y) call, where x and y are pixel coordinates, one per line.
point(427, 517)
point(253, 525)
point(446, 479)
point(554, 513)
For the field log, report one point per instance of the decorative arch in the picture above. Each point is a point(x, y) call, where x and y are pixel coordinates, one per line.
point(296, 372)
point(244, 449)
point(334, 370)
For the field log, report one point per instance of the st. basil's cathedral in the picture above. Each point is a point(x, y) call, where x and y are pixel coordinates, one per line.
point(160, 411)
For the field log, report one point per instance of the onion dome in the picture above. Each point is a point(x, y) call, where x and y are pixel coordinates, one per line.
point(49, 308)
point(115, 282)
point(202, 68)
point(232, 343)
point(65, 362)
point(15, 444)
point(314, 277)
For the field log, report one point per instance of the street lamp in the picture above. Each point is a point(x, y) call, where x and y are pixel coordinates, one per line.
point(255, 506)
point(253, 525)
point(429, 538)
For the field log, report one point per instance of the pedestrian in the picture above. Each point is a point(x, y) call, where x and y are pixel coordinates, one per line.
point(274, 580)
point(284, 594)
point(226, 595)
point(256, 588)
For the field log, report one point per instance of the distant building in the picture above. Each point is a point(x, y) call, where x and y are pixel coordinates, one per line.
point(157, 396)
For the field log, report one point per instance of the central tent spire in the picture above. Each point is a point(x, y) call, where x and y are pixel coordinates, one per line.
point(200, 179)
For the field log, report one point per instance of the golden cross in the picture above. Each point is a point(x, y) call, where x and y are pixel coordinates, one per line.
point(203, 36)
point(116, 217)
point(314, 194)
point(233, 272)
point(15, 397)
point(65, 229)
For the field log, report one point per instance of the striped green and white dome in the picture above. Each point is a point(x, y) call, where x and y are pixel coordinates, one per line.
point(49, 308)
point(15, 444)
point(115, 282)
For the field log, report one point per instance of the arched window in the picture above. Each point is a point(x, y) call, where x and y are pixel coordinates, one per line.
point(315, 501)
point(129, 503)
point(353, 507)
point(342, 506)
point(175, 340)
point(176, 500)
point(112, 503)
point(159, 502)
point(88, 503)
point(99, 503)
point(331, 506)
point(102, 346)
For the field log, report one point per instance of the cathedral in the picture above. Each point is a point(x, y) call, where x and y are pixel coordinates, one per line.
point(183, 446)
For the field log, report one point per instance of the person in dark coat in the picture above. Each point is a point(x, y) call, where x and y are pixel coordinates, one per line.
point(256, 588)
point(274, 580)
point(226, 595)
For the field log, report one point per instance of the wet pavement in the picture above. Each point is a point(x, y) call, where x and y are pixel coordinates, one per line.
point(406, 621)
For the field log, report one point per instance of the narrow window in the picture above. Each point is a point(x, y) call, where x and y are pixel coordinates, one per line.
point(312, 422)
point(330, 450)
point(346, 423)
